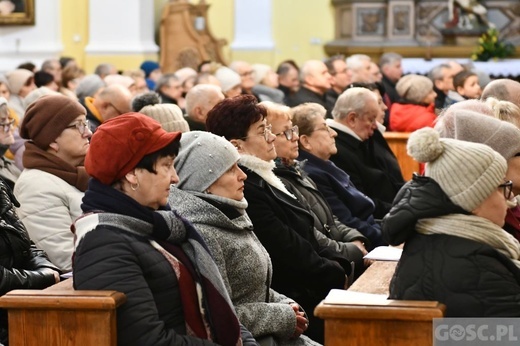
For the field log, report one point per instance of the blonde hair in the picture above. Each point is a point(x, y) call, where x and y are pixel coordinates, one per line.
point(276, 111)
point(504, 110)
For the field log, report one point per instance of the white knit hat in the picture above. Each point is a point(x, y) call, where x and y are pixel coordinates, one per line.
point(168, 115)
point(414, 87)
point(203, 158)
point(228, 78)
point(467, 172)
point(261, 71)
point(17, 79)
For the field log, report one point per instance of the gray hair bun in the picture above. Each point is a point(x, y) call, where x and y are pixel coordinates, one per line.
point(424, 145)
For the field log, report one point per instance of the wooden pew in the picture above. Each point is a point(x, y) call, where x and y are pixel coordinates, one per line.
point(397, 142)
point(380, 322)
point(59, 315)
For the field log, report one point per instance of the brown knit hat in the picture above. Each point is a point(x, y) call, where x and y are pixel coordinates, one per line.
point(168, 115)
point(47, 117)
point(414, 87)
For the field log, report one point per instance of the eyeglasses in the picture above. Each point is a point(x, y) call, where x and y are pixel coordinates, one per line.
point(266, 133)
point(290, 133)
point(81, 126)
point(508, 189)
point(7, 126)
point(324, 128)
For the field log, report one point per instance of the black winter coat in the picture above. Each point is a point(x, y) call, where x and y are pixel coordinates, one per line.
point(338, 235)
point(22, 265)
point(357, 159)
point(471, 278)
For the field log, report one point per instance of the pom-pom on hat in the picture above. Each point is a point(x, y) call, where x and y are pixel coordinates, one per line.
point(47, 117)
point(467, 172)
point(120, 143)
point(203, 158)
point(414, 87)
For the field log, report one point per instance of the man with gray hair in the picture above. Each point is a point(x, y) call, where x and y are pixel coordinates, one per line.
point(170, 89)
point(111, 101)
point(354, 119)
point(199, 101)
point(358, 66)
point(315, 79)
point(105, 69)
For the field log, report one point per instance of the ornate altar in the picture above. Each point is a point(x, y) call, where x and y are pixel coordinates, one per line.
point(185, 37)
point(416, 28)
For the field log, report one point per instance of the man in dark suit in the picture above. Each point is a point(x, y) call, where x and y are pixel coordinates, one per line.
point(315, 79)
point(354, 119)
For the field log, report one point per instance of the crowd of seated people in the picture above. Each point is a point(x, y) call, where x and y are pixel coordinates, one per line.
point(253, 190)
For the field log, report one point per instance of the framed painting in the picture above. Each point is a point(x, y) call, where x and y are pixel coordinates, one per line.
point(16, 12)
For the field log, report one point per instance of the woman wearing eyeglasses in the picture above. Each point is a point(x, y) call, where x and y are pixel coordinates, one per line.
point(302, 269)
point(451, 220)
point(53, 181)
point(329, 231)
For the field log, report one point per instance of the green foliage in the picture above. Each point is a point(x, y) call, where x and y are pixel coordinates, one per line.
point(490, 46)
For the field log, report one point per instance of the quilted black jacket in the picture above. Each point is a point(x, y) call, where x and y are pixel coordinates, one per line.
point(471, 278)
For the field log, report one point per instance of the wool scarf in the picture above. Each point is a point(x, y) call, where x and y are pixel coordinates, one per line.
point(208, 310)
point(36, 158)
point(474, 228)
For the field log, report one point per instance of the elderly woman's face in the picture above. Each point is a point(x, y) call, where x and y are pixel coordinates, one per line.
point(494, 208)
point(153, 188)
point(230, 184)
point(73, 142)
point(258, 142)
point(321, 142)
point(285, 148)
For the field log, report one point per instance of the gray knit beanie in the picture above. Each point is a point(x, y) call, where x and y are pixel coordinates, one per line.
point(467, 172)
point(414, 87)
point(203, 158)
point(168, 115)
point(471, 126)
point(89, 86)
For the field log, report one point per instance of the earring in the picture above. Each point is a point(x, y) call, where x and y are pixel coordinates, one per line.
point(134, 187)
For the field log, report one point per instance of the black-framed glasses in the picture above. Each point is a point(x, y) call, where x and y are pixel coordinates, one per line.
point(290, 133)
point(266, 133)
point(82, 126)
point(8, 125)
point(507, 188)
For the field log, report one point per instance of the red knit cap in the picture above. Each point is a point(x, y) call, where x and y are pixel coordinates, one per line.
point(120, 143)
point(47, 117)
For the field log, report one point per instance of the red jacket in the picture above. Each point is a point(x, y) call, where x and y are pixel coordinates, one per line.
point(411, 117)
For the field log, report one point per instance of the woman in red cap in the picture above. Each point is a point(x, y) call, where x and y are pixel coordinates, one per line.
point(129, 241)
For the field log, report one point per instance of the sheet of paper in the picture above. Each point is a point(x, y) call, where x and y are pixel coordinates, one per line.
point(336, 296)
point(385, 253)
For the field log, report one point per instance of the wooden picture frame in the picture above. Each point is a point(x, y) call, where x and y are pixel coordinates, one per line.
point(16, 12)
